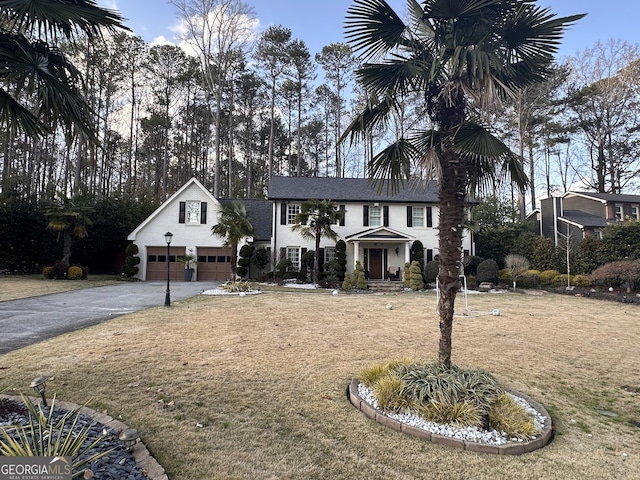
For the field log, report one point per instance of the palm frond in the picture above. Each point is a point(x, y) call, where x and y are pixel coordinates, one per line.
point(54, 18)
point(391, 167)
point(373, 115)
point(372, 27)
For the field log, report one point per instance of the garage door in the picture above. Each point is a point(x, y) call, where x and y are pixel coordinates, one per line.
point(214, 263)
point(157, 263)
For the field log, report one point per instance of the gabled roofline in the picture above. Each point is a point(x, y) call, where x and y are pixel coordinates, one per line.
point(168, 201)
point(585, 195)
point(372, 231)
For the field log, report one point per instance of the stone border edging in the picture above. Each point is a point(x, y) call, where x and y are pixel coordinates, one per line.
point(149, 465)
point(511, 448)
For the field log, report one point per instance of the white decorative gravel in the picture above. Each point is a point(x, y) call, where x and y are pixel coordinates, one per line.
point(219, 291)
point(470, 434)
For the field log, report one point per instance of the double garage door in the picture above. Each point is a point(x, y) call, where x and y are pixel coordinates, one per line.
point(214, 263)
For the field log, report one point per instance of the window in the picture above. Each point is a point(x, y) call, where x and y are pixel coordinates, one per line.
point(292, 211)
point(375, 216)
point(193, 212)
point(634, 212)
point(293, 254)
point(417, 216)
point(618, 212)
point(329, 254)
point(597, 233)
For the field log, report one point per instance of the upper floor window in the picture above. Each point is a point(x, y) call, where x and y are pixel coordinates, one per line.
point(292, 211)
point(418, 216)
point(193, 212)
point(375, 216)
point(618, 212)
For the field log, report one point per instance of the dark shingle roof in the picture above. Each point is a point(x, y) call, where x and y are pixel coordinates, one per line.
point(610, 197)
point(583, 219)
point(260, 213)
point(349, 190)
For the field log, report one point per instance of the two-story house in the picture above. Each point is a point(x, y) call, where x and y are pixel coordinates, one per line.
point(583, 214)
point(379, 228)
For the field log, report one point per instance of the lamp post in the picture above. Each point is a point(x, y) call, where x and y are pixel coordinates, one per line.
point(128, 438)
point(167, 238)
point(40, 385)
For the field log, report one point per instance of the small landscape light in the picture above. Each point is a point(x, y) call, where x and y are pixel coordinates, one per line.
point(128, 438)
point(40, 386)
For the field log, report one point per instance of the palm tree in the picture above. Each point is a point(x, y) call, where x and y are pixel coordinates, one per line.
point(314, 221)
point(233, 225)
point(69, 218)
point(39, 87)
point(460, 57)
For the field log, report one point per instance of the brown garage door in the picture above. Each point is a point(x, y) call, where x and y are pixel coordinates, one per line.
point(157, 263)
point(214, 263)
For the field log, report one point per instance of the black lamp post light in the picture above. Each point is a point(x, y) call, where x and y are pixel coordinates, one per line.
point(40, 386)
point(167, 238)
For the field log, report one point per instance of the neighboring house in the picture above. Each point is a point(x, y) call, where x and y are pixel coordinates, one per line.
point(378, 228)
point(584, 214)
point(189, 214)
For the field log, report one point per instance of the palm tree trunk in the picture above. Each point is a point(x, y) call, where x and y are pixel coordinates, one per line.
point(452, 196)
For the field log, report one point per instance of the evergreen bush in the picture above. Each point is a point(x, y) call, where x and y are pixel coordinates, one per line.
point(488, 272)
point(406, 277)
point(341, 258)
point(417, 254)
point(131, 261)
point(46, 272)
point(415, 276)
point(347, 284)
point(359, 280)
point(431, 271)
point(549, 277)
point(74, 273)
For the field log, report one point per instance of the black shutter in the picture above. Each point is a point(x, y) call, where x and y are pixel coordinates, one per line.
point(409, 216)
point(203, 213)
point(385, 215)
point(429, 217)
point(343, 208)
point(283, 213)
point(365, 215)
point(183, 209)
point(321, 257)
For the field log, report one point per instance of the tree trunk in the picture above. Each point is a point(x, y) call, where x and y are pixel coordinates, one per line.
point(452, 196)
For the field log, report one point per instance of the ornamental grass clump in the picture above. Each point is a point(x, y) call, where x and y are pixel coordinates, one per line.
point(44, 435)
point(238, 286)
point(454, 396)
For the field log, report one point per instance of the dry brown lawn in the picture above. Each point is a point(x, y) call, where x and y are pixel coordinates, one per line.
point(254, 387)
point(22, 286)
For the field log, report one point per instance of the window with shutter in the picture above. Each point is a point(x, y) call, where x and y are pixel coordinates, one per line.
point(182, 213)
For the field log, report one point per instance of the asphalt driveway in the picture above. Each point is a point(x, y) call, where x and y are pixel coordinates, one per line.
point(31, 320)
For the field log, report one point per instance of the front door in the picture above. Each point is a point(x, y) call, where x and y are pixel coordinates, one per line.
point(375, 263)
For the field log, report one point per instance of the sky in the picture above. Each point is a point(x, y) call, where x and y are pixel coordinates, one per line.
point(319, 23)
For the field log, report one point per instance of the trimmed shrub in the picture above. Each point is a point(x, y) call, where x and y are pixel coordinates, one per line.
point(415, 276)
point(417, 254)
point(359, 280)
point(470, 263)
point(59, 270)
point(47, 272)
point(622, 272)
point(244, 260)
point(347, 284)
point(341, 258)
point(284, 268)
point(581, 281)
point(431, 271)
point(131, 261)
point(260, 258)
point(549, 277)
point(504, 276)
point(488, 272)
point(529, 279)
point(74, 273)
point(406, 276)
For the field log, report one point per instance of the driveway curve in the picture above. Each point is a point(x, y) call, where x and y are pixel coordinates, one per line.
point(31, 320)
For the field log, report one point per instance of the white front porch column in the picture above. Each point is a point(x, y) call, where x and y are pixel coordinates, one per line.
point(356, 253)
point(407, 253)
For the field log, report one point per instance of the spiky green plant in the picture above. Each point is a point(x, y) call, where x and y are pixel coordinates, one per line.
point(238, 286)
point(370, 375)
point(388, 391)
point(458, 414)
point(505, 415)
point(45, 436)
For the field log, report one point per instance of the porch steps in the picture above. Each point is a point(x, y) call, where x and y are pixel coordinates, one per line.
point(385, 286)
